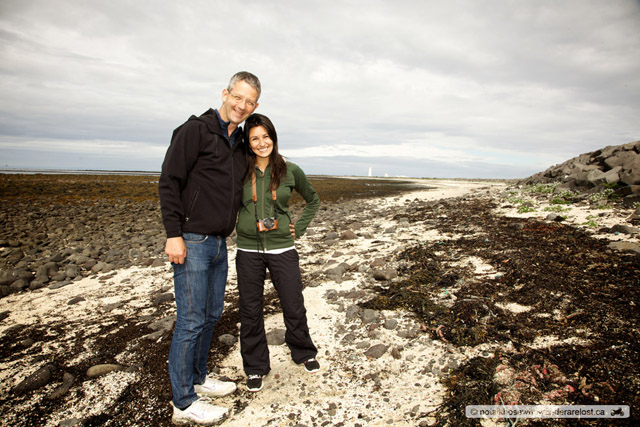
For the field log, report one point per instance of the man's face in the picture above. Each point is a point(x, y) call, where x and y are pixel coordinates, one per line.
point(238, 103)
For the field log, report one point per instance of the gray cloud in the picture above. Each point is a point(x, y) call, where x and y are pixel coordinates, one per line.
point(510, 89)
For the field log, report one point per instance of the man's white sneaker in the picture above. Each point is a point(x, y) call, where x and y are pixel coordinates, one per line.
point(200, 412)
point(214, 388)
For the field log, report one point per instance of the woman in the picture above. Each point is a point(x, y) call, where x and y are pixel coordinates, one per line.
point(265, 240)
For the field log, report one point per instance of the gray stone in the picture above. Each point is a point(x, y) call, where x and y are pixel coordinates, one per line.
point(276, 337)
point(348, 235)
point(58, 277)
point(353, 311)
point(376, 351)
point(59, 285)
point(98, 267)
point(555, 217)
point(631, 174)
point(72, 271)
point(42, 274)
point(164, 324)
point(227, 339)
point(159, 262)
point(331, 295)
point(7, 277)
point(153, 336)
point(332, 236)
point(103, 369)
point(453, 364)
point(162, 298)
point(336, 273)
point(386, 274)
point(61, 390)
point(633, 199)
point(369, 316)
point(35, 381)
point(613, 164)
point(620, 158)
point(395, 353)
point(390, 324)
point(19, 285)
point(57, 258)
point(363, 345)
point(613, 175)
point(348, 339)
point(624, 229)
point(378, 262)
point(629, 247)
point(70, 422)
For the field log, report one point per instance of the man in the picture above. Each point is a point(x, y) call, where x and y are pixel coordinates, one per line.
point(200, 193)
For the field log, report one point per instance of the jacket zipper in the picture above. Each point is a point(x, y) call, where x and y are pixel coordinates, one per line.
point(230, 218)
point(263, 209)
point(192, 204)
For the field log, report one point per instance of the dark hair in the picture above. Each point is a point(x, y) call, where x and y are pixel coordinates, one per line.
point(277, 162)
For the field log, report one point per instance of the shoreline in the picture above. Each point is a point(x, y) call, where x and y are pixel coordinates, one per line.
point(379, 367)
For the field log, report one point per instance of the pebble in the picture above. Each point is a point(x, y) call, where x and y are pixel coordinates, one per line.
point(276, 337)
point(376, 351)
point(38, 379)
point(227, 339)
point(369, 316)
point(103, 369)
point(61, 390)
point(58, 247)
point(385, 274)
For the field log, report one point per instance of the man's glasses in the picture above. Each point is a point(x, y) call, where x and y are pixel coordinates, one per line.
point(239, 99)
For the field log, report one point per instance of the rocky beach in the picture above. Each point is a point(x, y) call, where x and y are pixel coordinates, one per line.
point(423, 296)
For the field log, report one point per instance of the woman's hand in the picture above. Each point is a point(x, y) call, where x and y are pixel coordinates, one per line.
point(293, 230)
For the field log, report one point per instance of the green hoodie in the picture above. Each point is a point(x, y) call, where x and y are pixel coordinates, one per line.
point(295, 179)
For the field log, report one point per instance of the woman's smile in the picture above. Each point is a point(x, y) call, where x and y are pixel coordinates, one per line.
point(260, 142)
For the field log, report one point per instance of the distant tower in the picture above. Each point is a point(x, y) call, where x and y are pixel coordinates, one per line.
point(369, 170)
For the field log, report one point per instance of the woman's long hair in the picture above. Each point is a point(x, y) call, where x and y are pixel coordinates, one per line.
point(277, 162)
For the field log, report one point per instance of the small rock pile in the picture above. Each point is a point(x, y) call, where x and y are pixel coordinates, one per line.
point(616, 167)
point(56, 245)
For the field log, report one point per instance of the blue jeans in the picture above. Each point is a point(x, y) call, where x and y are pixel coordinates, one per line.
point(199, 286)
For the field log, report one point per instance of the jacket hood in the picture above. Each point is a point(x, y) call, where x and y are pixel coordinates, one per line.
point(210, 118)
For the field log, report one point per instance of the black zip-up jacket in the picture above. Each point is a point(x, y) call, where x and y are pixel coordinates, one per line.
point(201, 182)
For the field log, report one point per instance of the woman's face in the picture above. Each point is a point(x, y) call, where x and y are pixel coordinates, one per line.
point(260, 142)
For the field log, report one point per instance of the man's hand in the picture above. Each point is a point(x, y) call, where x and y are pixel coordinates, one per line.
point(176, 249)
point(293, 230)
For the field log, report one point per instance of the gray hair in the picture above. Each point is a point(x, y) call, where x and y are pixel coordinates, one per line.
point(247, 77)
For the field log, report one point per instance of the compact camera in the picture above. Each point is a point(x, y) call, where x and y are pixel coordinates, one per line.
point(267, 224)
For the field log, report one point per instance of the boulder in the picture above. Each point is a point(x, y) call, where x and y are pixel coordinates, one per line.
point(616, 165)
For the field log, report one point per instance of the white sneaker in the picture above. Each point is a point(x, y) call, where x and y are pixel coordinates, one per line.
point(214, 388)
point(200, 412)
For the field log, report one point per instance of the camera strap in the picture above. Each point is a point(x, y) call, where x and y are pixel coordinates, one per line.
point(255, 196)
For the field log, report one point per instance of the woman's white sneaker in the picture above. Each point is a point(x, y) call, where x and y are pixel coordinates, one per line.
point(200, 412)
point(214, 388)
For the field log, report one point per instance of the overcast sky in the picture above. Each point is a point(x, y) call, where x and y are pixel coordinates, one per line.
point(467, 88)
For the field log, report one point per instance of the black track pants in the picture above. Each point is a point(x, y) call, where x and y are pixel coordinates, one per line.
point(285, 275)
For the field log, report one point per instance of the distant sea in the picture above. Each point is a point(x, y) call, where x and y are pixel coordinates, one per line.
point(75, 172)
